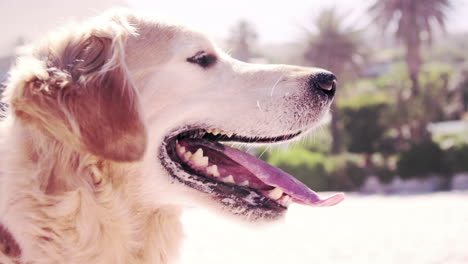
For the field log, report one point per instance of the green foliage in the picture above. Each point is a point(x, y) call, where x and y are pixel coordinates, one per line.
point(384, 174)
point(429, 105)
point(447, 141)
point(457, 158)
point(363, 101)
point(382, 116)
point(462, 86)
point(421, 160)
point(362, 124)
point(452, 50)
point(319, 142)
point(348, 176)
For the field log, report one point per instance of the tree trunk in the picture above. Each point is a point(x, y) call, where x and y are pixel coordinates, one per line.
point(414, 84)
point(413, 59)
point(335, 130)
point(419, 132)
point(368, 163)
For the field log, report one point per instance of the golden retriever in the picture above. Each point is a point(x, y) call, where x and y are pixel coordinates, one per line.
point(115, 125)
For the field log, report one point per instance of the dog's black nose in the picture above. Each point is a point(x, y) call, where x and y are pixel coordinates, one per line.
point(323, 81)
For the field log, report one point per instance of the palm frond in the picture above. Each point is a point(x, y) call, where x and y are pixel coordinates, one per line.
point(411, 17)
point(335, 45)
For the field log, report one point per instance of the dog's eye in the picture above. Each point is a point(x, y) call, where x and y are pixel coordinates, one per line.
point(203, 59)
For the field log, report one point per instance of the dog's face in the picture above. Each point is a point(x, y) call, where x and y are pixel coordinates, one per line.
point(169, 98)
point(197, 97)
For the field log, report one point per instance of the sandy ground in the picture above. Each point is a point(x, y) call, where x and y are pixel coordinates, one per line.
point(425, 228)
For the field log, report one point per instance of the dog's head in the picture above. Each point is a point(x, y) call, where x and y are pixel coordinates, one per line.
point(162, 96)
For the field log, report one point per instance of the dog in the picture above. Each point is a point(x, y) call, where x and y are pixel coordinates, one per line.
point(115, 125)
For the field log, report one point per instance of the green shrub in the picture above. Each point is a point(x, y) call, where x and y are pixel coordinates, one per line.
point(347, 177)
point(320, 141)
point(421, 160)
point(384, 174)
point(457, 158)
point(363, 128)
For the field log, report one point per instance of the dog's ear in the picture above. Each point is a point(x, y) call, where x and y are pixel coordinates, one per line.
point(85, 97)
point(107, 112)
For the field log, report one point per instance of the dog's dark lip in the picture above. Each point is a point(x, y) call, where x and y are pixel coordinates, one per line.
point(236, 195)
point(250, 140)
point(198, 132)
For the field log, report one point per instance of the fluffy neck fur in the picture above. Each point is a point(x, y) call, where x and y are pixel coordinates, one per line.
point(63, 206)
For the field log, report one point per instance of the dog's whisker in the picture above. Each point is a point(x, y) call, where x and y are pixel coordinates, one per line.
point(275, 84)
point(258, 105)
point(264, 151)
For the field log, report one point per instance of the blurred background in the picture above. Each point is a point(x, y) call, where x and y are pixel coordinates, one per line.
point(397, 140)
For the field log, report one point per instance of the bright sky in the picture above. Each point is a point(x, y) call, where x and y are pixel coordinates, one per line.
point(276, 21)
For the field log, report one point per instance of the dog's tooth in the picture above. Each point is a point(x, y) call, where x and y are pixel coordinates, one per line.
point(198, 153)
point(198, 159)
point(222, 132)
point(244, 183)
point(213, 170)
point(275, 194)
point(209, 130)
point(229, 134)
point(203, 162)
point(285, 200)
point(229, 179)
point(215, 131)
point(187, 155)
point(180, 149)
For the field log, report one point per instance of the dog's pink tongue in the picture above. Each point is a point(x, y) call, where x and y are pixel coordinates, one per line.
point(278, 178)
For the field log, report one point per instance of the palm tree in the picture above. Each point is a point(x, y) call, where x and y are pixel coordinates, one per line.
point(335, 48)
point(242, 38)
point(414, 19)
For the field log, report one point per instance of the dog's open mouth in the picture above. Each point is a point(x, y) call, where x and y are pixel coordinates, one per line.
point(244, 183)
